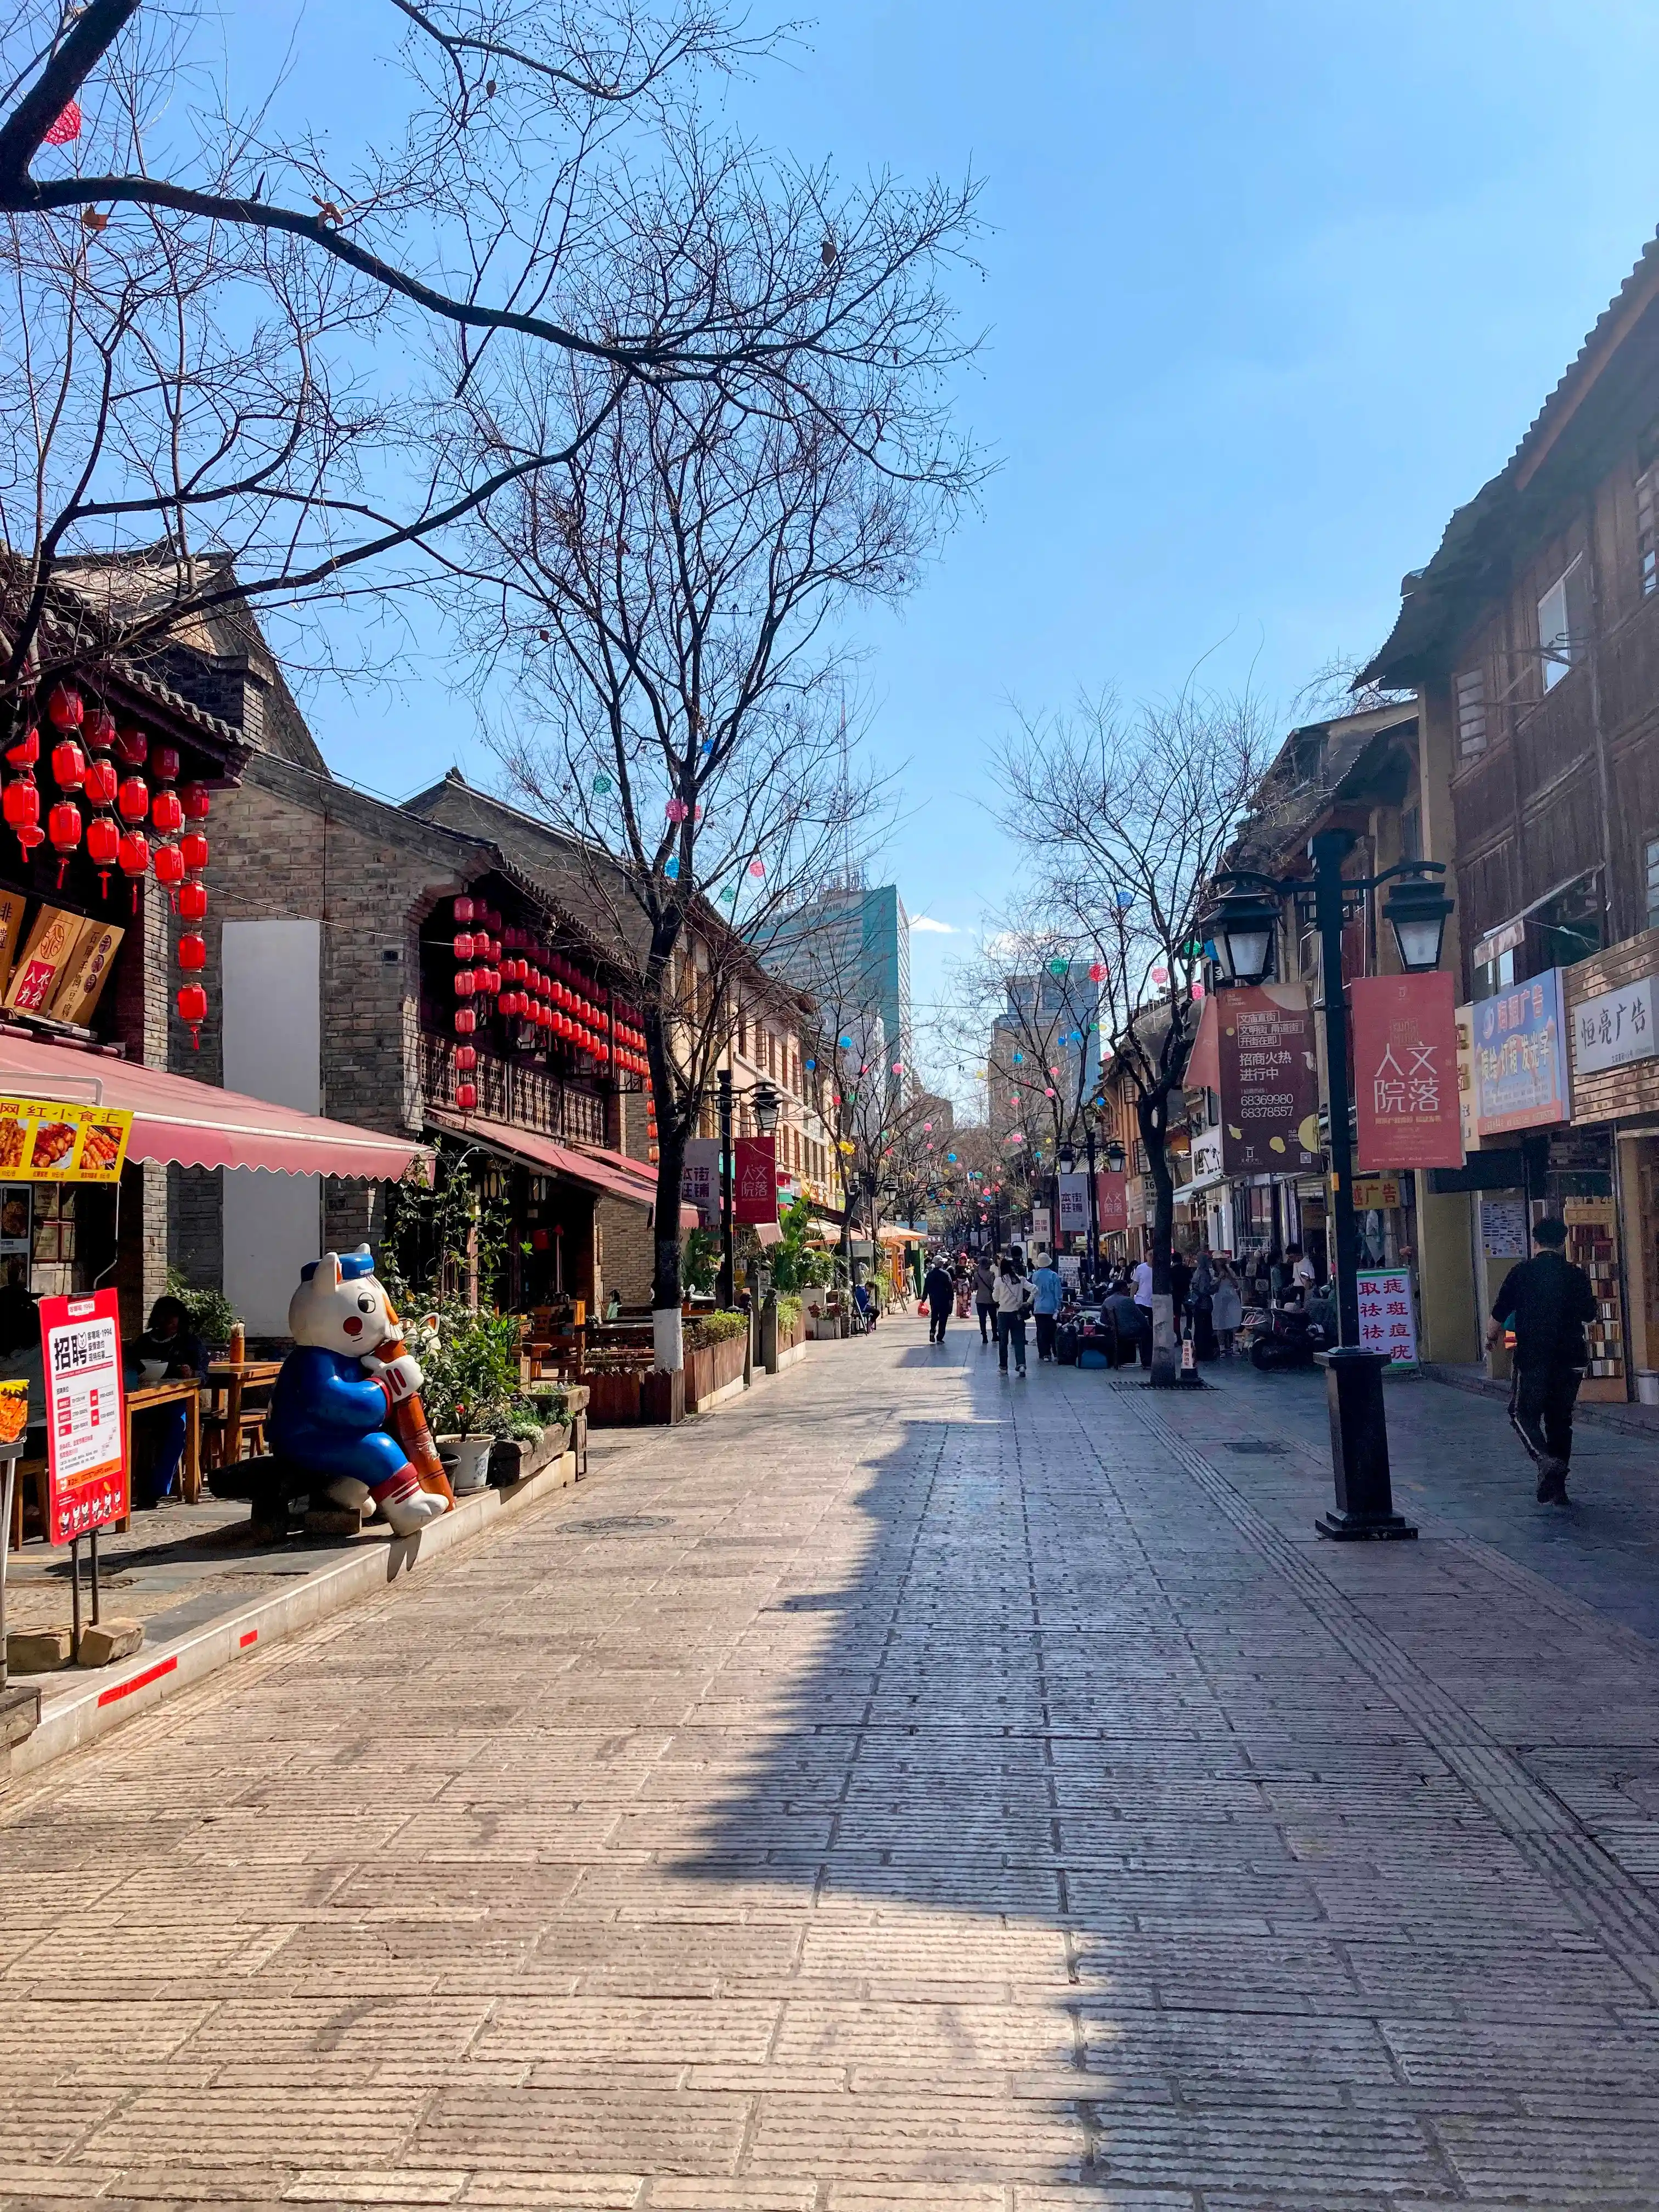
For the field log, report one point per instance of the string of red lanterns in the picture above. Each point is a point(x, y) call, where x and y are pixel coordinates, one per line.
point(532, 985)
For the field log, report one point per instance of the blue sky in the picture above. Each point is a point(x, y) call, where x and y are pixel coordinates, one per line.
point(1270, 286)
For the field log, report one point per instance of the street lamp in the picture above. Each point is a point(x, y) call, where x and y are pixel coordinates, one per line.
point(1243, 924)
point(1116, 1158)
point(765, 1105)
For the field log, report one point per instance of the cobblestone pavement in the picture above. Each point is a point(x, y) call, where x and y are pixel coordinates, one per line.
point(906, 1789)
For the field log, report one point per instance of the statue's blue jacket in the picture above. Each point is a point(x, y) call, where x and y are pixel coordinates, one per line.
point(327, 1413)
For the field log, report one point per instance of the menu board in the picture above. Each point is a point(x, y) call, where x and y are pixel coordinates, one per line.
point(53, 1140)
point(86, 1413)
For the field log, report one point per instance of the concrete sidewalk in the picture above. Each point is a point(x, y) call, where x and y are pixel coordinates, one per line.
point(913, 1790)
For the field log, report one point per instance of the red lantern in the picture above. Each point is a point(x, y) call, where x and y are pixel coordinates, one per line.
point(21, 804)
point(132, 747)
point(466, 1097)
point(466, 1057)
point(197, 799)
point(466, 1021)
point(103, 844)
point(193, 952)
point(69, 765)
point(132, 799)
point(464, 947)
point(493, 981)
point(192, 1009)
point(465, 911)
point(65, 708)
point(194, 846)
point(168, 863)
point(26, 751)
point(465, 984)
point(193, 897)
point(164, 763)
point(165, 813)
point(99, 731)
point(64, 828)
point(101, 783)
point(133, 853)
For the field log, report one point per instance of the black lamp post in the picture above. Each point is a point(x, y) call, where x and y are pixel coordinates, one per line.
point(765, 1103)
point(1091, 1250)
point(1244, 927)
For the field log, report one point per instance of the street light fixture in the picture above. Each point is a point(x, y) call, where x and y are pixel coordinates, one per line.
point(1243, 924)
point(764, 1103)
point(1117, 1158)
point(1067, 1158)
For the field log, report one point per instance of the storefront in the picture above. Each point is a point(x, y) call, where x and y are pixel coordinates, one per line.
point(1604, 1178)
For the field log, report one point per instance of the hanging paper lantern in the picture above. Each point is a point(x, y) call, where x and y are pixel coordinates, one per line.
point(193, 897)
point(466, 1057)
point(101, 783)
point(165, 813)
point(466, 1021)
point(465, 983)
point(192, 1009)
point(26, 751)
point(64, 828)
point(133, 853)
point(194, 846)
point(65, 708)
point(164, 763)
point(132, 799)
point(167, 863)
point(99, 730)
point(21, 805)
point(463, 944)
point(465, 912)
point(466, 1097)
point(103, 844)
point(193, 952)
point(69, 765)
point(131, 747)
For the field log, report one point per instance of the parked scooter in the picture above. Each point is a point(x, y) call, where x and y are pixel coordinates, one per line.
point(1290, 1340)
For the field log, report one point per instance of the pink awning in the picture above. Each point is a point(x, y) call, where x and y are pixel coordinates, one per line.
point(585, 1163)
point(198, 1125)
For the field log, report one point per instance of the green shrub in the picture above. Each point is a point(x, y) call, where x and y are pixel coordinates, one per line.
point(713, 1328)
point(788, 1312)
point(211, 1314)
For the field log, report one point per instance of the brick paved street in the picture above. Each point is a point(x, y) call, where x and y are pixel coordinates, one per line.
point(902, 1789)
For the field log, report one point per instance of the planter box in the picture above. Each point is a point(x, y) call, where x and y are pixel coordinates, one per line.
point(625, 1396)
point(711, 1371)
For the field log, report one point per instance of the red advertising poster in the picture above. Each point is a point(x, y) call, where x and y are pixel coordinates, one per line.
point(1111, 1201)
point(1405, 1071)
point(1269, 1080)
point(755, 1174)
point(85, 1412)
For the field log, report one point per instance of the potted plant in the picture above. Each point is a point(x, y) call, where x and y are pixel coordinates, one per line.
point(471, 1363)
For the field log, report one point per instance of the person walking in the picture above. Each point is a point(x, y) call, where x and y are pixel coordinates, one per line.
point(1013, 1296)
point(985, 1297)
point(939, 1289)
point(1144, 1306)
point(1200, 1303)
point(1226, 1308)
point(1048, 1294)
point(1546, 1300)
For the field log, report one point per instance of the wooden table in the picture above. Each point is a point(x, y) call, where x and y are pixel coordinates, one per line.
point(176, 1390)
point(227, 1379)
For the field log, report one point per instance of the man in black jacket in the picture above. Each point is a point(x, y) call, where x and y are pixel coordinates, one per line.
point(940, 1291)
point(1547, 1300)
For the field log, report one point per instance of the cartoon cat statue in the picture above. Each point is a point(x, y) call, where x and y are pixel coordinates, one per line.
point(334, 1393)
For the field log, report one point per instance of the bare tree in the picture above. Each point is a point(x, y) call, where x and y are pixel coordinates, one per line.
point(669, 598)
point(258, 361)
point(1127, 817)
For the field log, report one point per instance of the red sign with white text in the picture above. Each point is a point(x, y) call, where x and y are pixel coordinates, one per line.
point(1405, 1071)
point(1111, 1201)
point(85, 1412)
point(755, 1179)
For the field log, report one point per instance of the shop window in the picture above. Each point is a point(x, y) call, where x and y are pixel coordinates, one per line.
point(1569, 926)
point(1564, 622)
point(1470, 693)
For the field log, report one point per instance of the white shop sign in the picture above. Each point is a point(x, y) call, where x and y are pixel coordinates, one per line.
point(1614, 1028)
point(1387, 1322)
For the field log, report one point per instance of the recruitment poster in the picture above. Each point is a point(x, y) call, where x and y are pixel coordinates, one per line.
point(86, 1415)
point(1405, 1071)
point(755, 1173)
point(1269, 1081)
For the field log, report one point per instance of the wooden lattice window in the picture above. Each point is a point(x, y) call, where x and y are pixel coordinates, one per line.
point(1647, 529)
point(1470, 692)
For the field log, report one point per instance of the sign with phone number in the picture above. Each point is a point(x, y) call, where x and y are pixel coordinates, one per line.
point(51, 1140)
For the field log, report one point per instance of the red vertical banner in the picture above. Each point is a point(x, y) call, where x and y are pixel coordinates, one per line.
point(1111, 1201)
point(1405, 1071)
point(86, 1413)
point(755, 1179)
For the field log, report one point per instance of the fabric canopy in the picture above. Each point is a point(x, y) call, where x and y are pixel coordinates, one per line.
point(902, 1236)
point(613, 1172)
point(197, 1125)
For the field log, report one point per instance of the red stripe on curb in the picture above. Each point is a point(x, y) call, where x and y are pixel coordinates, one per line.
point(251, 1636)
point(137, 1681)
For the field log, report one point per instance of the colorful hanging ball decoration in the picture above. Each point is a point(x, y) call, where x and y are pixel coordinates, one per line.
point(1198, 993)
point(1160, 977)
point(601, 787)
point(67, 127)
point(678, 809)
point(1060, 966)
point(192, 1005)
point(1096, 972)
point(757, 868)
point(670, 869)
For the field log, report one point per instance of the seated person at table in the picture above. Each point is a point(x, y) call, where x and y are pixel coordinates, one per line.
point(20, 1355)
point(171, 1340)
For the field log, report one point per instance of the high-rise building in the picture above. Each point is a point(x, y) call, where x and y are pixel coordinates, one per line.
point(850, 947)
point(1051, 1022)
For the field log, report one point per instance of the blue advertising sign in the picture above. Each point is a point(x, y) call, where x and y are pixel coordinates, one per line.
point(1521, 1058)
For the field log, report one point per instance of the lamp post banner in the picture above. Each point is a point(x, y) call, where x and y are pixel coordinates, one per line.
point(756, 1196)
point(1112, 1201)
point(1073, 1205)
point(699, 1180)
point(1405, 1071)
point(1269, 1081)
